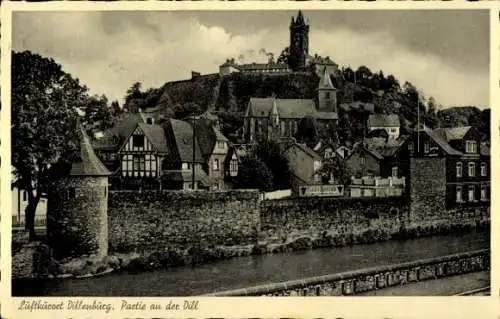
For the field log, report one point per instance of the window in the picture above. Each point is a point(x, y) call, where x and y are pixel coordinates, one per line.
point(395, 171)
point(470, 147)
point(216, 164)
point(139, 163)
point(471, 193)
point(282, 128)
point(410, 147)
point(472, 169)
point(233, 166)
point(138, 140)
point(483, 192)
point(393, 130)
point(459, 194)
point(221, 144)
point(328, 153)
point(71, 192)
point(483, 169)
point(459, 169)
point(328, 95)
point(426, 147)
point(149, 120)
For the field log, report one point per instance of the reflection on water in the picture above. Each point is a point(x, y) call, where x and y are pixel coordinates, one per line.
point(255, 270)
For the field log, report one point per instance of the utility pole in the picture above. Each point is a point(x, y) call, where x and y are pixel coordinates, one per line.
point(418, 123)
point(194, 151)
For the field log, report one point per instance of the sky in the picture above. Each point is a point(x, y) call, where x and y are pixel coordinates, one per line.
point(445, 53)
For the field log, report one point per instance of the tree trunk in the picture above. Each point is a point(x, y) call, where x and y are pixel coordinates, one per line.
point(30, 216)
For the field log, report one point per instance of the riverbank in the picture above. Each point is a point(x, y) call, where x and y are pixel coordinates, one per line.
point(31, 260)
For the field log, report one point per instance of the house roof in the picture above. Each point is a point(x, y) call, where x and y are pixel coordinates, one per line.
point(358, 106)
point(86, 162)
point(440, 141)
point(115, 136)
point(361, 146)
point(383, 120)
point(156, 135)
point(179, 136)
point(287, 108)
point(307, 150)
point(385, 147)
point(186, 176)
point(452, 133)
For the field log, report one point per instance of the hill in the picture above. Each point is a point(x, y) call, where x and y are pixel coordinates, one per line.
point(228, 96)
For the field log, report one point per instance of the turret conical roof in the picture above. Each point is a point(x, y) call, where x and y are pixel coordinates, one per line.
point(86, 162)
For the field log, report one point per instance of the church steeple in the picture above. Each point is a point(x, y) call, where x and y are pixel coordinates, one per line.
point(299, 42)
point(327, 93)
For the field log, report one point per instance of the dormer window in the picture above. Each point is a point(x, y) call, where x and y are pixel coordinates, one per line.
point(470, 147)
point(426, 147)
point(221, 144)
point(138, 141)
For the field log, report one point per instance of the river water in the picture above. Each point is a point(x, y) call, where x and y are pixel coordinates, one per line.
point(255, 270)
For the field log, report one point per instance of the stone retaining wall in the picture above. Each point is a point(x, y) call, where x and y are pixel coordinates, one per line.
point(354, 282)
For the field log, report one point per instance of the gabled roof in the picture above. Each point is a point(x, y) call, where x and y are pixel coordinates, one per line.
point(440, 141)
point(307, 150)
point(361, 146)
point(187, 176)
point(386, 147)
point(156, 135)
point(383, 120)
point(287, 108)
point(262, 66)
point(358, 106)
point(452, 133)
point(179, 135)
point(207, 135)
point(86, 162)
point(113, 138)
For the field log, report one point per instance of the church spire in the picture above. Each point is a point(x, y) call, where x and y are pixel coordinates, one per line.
point(325, 82)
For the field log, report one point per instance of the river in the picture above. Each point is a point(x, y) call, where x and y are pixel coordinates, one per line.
point(255, 270)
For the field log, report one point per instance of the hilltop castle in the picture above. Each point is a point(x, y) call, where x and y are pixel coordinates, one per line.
point(298, 56)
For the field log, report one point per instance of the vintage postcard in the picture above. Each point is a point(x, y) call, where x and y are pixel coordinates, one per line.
point(162, 158)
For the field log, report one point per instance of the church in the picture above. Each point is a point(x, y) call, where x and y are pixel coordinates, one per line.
point(279, 118)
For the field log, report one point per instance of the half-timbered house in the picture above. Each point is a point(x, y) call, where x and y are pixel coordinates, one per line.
point(141, 155)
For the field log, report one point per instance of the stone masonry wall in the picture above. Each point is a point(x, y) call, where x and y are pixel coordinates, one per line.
point(427, 191)
point(77, 224)
point(156, 221)
point(333, 221)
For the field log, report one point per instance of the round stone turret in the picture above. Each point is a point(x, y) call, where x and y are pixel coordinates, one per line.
point(77, 208)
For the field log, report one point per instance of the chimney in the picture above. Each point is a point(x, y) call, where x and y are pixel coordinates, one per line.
point(195, 74)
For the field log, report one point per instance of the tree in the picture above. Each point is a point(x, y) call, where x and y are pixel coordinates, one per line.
point(43, 126)
point(284, 56)
point(334, 167)
point(307, 131)
point(254, 174)
point(269, 152)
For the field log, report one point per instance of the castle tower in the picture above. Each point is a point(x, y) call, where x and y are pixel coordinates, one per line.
point(77, 208)
point(327, 93)
point(299, 42)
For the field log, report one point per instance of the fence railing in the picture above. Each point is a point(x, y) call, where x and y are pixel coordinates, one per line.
point(20, 221)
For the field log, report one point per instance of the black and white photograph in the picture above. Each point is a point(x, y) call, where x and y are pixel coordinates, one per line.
point(250, 153)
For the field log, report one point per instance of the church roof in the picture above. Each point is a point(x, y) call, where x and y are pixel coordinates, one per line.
point(86, 162)
point(287, 108)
